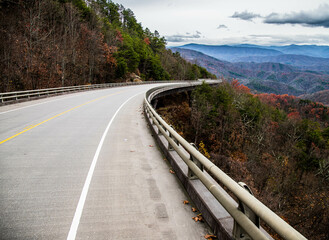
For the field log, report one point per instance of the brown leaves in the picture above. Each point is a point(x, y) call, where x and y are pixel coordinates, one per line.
point(210, 237)
point(194, 209)
point(171, 171)
point(186, 202)
point(198, 218)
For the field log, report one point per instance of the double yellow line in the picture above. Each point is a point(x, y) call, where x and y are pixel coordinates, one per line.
point(60, 114)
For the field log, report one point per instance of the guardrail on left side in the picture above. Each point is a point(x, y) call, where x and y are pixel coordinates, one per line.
point(12, 97)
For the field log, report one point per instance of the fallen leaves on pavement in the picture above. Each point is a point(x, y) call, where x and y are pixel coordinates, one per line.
point(210, 237)
point(198, 218)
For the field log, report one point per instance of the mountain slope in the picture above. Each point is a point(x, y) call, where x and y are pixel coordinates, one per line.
point(269, 77)
point(321, 96)
point(303, 62)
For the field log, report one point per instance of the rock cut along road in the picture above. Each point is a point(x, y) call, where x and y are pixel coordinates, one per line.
point(85, 166)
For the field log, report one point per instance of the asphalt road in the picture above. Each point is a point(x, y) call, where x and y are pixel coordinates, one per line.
point(85, 166)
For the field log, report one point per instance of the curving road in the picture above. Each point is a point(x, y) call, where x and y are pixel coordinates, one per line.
point(85, 166)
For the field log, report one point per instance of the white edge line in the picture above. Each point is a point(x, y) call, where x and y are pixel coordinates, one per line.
point(78, 212)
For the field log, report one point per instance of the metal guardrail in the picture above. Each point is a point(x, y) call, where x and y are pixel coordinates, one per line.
point(244, 227)
point(30, 94)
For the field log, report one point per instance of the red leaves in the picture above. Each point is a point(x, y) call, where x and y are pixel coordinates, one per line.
point(240, 87)
point(119, 36)
point(294, 115)
point(147, 41)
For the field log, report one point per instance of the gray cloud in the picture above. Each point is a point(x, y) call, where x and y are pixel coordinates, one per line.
point(248, 16)
point(182, 37)
point(222, 26)
point(315, 18)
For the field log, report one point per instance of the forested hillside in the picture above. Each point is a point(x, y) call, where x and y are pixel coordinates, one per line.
point(53, 43)
point(276, 144)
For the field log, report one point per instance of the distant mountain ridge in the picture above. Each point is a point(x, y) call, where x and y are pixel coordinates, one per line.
point(234, 53)
point(231, 53)
point(307, 50)
point(270, 77)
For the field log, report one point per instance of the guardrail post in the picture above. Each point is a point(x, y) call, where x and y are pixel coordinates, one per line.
point(170, 148)
point(154, 105)
point(190, 174)
point(160, 126)
point(238, 231)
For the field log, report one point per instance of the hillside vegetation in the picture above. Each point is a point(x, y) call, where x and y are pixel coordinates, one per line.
point(52, 43)
point(321, 96)
point(277, 144)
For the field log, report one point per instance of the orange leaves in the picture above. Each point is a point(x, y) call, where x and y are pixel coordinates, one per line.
point(240, 156)
point(108, 52)
point(210, 237)
point(240, 87)
point(198, 218)
point(186, 202)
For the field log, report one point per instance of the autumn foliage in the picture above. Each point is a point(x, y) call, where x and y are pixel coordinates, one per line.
point(277, 144)
point(53, 43)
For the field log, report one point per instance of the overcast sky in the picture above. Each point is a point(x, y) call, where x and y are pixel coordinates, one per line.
point(265, 22)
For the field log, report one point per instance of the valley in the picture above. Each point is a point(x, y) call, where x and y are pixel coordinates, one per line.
point(294, 70)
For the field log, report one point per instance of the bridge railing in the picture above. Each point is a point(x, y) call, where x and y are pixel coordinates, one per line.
point(245, 227)
point(8, 97)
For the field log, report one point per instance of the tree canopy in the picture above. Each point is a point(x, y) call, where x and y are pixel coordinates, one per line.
point(52, 43)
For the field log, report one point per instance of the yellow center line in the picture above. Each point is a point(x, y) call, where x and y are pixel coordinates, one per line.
point(33, 126)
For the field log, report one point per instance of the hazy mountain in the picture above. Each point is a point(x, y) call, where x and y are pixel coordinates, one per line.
point(270, 77)
point(231, 53)
point(315, 57)
point(301, 61)
point(307, 50)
